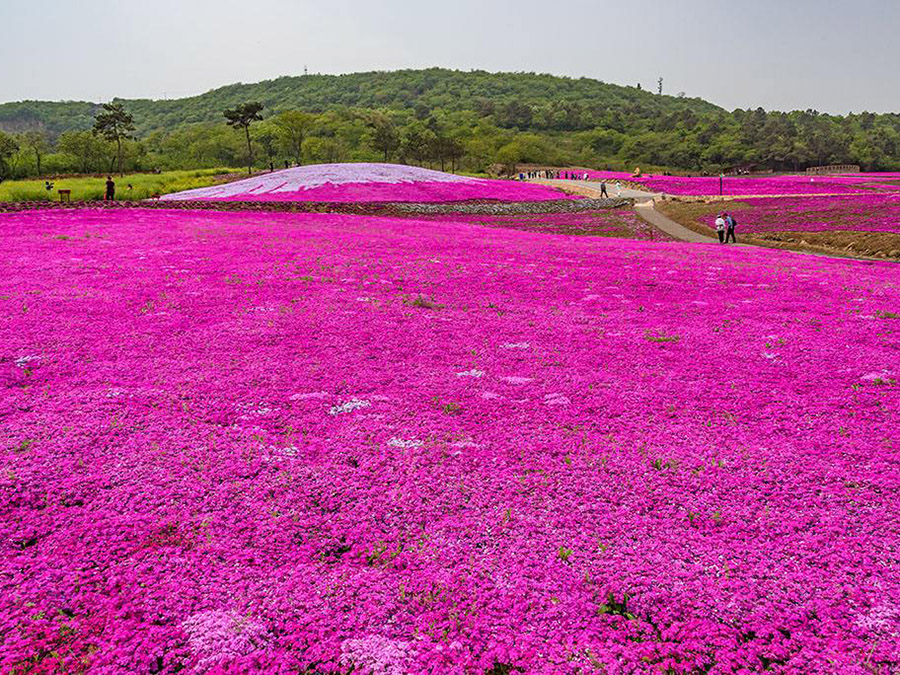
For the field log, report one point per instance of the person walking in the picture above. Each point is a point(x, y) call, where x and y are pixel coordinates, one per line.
point(731, 223)
point(110, 189)
point(618, 189)
point(720, 227)
point(603, 193)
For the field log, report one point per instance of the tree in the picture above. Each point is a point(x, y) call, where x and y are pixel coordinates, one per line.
point(37, 143)
point(294, 126)
point(114, 123)
point(267, 137)
point(242, 117)
point(8, 148)
point(84, 148)
point(385, 137)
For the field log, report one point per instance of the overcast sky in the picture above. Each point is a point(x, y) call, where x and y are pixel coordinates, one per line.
point(780, 54)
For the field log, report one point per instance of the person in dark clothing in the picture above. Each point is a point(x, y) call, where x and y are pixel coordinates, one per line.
point(110, 189)
point(731, 223)
point(603, 192)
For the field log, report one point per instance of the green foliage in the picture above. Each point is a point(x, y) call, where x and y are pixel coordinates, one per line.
point(8, 149)
point(293, 128)
point(114, 124)
point(470, 121)
point(144, 186)
point(240, 118)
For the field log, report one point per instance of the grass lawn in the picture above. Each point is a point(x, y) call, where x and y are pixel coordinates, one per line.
point(144, 185)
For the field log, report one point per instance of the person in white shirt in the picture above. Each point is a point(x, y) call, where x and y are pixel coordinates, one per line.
point(720, 228)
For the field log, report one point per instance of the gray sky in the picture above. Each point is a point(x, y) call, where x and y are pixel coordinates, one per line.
point(779, 54)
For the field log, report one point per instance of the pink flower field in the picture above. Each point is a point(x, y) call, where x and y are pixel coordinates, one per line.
point(855, 213)
point(621, 223)
point(318, 443)
point(343, 183)
point(765, 185)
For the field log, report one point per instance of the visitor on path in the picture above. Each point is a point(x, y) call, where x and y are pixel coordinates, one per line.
point(720, 227)
point(603, 193)
point(110, 189)
point(731, 223)
point(618, 189)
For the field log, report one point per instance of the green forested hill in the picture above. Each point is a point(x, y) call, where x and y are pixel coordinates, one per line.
point(554, 102)
point(471, 120)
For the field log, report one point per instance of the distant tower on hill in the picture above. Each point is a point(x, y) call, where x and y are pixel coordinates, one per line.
point(660, 81)
point(305, 70)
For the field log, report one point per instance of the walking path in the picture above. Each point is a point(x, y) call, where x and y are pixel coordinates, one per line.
point(646, 211)
point(592, 189)
point(643, 206)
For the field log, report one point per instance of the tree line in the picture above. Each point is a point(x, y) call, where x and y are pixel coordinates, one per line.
point(475, 122)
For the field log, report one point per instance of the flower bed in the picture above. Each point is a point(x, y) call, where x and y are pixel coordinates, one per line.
point(856, 213)
point(267, 442)
point(622, 223)
point(366, 183)
point(766, 185)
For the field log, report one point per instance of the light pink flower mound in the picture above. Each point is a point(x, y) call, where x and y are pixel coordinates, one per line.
point(288, 443)
point(347, 183)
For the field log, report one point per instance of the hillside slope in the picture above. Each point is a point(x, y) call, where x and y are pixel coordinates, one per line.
point(580, 103)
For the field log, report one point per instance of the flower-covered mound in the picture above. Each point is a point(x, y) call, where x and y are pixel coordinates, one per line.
point(320, 443)
point(794, 184)
point(341, 183)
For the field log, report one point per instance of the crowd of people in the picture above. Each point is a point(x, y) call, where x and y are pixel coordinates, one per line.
point(549, 174)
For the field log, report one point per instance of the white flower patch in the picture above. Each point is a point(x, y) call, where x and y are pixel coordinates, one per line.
point(516, 345)
point(517, 380)
point(557, 399)
point(289, 451)
point(23, 361)
point(310, 395)
point(489, 395)
point(769, 355)
point(471, 373)
point(349, 406)
point(401, 443)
